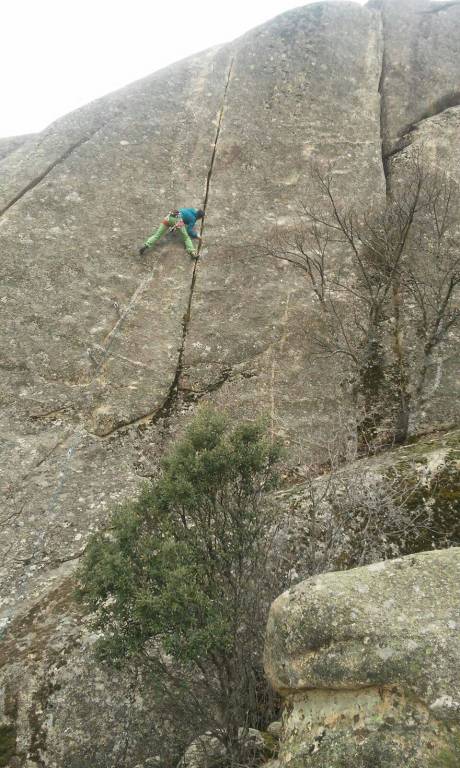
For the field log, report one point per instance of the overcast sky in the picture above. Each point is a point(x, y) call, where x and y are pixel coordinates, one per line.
point(56, 55)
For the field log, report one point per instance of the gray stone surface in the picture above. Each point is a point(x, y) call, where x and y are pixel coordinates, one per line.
point(437, 141)
point(91, 335)
point(62, 707)
point(103, 356)
point(369, 661)
point(421, 70)
point(10, 144)
point(252, 320)
point(97, 344)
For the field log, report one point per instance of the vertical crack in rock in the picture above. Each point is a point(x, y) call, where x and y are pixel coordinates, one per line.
point(219, 126)
point(38, 179)
point(165, 409)
point(383, 120)
point(186, 322)
point(109, 341)
point(205, 203)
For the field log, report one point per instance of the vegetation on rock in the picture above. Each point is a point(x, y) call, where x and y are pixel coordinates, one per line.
point(388, 306)
point(449, 757)
point(7, 743)
point(182, 582)
point(372, 510)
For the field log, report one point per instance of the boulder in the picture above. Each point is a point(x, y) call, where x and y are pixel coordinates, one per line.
point(369, 662)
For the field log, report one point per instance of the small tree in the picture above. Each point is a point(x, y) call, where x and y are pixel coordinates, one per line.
point(183, 580)
point(386, 283)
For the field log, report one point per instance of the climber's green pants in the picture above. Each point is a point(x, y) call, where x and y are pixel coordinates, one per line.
point(168, 222)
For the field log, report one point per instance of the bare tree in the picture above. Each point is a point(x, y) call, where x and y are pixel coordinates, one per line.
point(385, 282)
point(366, 512)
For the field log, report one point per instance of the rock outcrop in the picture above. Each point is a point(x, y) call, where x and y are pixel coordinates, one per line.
point(99, 347)
point(105, 355)
point(369, 662)
point(11, 144)
point(421, 64)
point(437, 140)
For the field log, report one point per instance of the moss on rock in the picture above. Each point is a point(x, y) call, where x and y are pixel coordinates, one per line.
point(7, 743)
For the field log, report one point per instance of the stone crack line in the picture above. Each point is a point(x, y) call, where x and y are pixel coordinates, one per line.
point(80, 434)
point(38, 179)
point(383, 121)
point(168, 403)
point(165, 409)
point(112, 335)
point(171, 396)
point(205, 204)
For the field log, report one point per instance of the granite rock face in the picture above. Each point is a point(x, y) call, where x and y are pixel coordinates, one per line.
point(99, 348)
point(298, 117)
point(58, 706)
point(421, 64)
point(92, 335)
point(369, 662)
point(12, 143)
point(104, 356)
point(435, 139)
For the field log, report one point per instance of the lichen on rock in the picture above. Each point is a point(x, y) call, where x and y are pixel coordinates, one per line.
point(368, 661)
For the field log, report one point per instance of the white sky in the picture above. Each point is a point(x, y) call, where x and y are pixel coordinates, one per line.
point(56, 55)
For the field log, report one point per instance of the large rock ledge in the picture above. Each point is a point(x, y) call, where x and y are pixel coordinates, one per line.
point(369, 661)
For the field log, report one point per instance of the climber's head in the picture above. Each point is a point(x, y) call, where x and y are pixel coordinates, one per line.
point(200, 214)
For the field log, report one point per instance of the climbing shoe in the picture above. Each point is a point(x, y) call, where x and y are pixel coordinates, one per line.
point(192, 254)
point(142, 250)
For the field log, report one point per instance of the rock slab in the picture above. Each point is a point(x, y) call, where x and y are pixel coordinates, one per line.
point(369, 661)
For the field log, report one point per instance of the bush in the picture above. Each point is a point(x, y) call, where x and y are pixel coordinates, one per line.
point(183, 581)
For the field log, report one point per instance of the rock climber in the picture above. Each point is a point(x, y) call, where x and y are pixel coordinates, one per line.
point(184, 221)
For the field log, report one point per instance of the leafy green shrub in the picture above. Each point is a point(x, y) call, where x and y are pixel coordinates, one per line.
point(183, 580)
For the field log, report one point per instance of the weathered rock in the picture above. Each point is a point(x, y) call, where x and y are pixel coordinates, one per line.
point(12, 143)
point(107, 343)
point(421, 63)
point(252, 322)
point(207, 751)
point(99, 344)
point(396, 503)
point(103, 355)
point(369, 662)
point(437, 141)
point(61, 707)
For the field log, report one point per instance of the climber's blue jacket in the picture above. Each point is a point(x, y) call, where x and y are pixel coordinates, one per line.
point(188, 216)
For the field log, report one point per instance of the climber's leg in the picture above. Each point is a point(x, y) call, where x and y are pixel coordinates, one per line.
point(187, 241)
point(157, 234)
